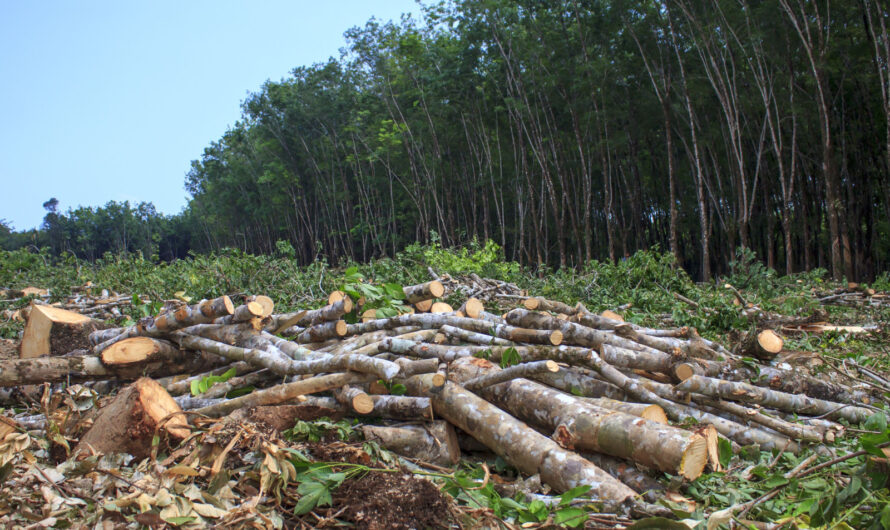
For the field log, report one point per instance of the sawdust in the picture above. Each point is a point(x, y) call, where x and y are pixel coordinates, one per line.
point(381, 501)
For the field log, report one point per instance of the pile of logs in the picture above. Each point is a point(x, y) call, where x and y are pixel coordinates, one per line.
point(854, 295)
point(558, 391)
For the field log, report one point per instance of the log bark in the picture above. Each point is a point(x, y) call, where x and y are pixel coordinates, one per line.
point(651, 392)
point(523, 370)
point(648, 411)
point(434, 442)
point(473, 337)
point(181, 384)
point(130, 421)
point(737, 391)
point(746, 415)
point(189, 315)
point(54, 331)
point(401, 407)
point(286, 392)
point(580, 424)
point(243, 313)
point(354, 398)
point(627, 473)
point(542, 304)
point(520, 445)
point(423, 291)
point(322, 332)
point(76, 369)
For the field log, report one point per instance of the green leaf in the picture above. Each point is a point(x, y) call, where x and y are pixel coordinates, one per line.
point(394, 291)
point(870, 443)
point(510, 357)
point(398, 389)
point(885, 517)
point(313, 494)
point(177, 521)
point(572, 494)
point(724, 450)
point(876, 422)
point(573, 517)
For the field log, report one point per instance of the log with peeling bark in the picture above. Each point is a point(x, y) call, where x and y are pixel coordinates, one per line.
point(542, 304)
point(324, 331)
point(473, 337)
point(401, 407)
point(520, 445)
point(648, 411)
point(131, 420)
point(81, 368)
point(286, 392)
point(649, 393)
point(355, 398)
point(54, 331)
point(738, 391)
point(189, 315)
point(522, 370)
point(434, 442)
point(579, 423)
point(423, 291)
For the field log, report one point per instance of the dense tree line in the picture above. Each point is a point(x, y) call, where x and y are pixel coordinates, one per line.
point(571, 130)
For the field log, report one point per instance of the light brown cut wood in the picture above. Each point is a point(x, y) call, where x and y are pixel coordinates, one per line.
point(265, 302)
point(613, 315)
point(51, 330)
point(763, 345)
point(473, 308)
point(136, 350)
point(369, 315)
point(335, 297)
point(130, 421)
point(441, 307)
point(423, 306)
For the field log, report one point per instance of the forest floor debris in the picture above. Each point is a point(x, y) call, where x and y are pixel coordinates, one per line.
point(240, 425)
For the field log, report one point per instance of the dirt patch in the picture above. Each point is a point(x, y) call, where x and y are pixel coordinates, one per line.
point(65, 339)
point(339, 452)
point(381, 501)
point(9, 349)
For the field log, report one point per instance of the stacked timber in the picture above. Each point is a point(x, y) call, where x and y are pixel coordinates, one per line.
point(570, 396)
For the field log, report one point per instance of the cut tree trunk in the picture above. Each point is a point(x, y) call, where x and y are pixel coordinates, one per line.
point(764, 345)
point(54, 331)
point(520, 445)
point(542, 304)
point(423, 291)
point(132, 419)
point(434, 442)
point(580, 424)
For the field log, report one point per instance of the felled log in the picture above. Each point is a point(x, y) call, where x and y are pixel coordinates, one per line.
point(132, 419)
point(286, 392)
point(140, 350)
point(355, 398)
point(738, 391)
point(434, 442)
point(265, 302)
point(542, 304)
point(323, 332)
point(472, 336)
point(401, 407)
point(181, 384)
point(190, 315)
point(473, 307)
point(37, 370)
point(517, 371)
point(423, 291)
point(54, 331)
point(580, 424)
point(648, 411)
point(764, 345)
point(520, 445)
point(660, 394)
point(629, 474)
point(243, 313)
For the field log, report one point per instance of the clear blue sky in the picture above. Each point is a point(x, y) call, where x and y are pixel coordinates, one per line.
point(107, 100)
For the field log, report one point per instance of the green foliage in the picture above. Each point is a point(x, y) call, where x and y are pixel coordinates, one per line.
point(316, 430)
point(486, 259)
point(199, 386)
point(387, 299)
